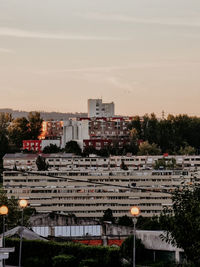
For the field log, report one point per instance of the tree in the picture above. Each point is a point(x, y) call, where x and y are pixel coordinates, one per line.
point(182, 221)
point(123, 166)
point(73, 147)
point(187, 150)
point(35, 125)
point(148, 149)
point(108, 216)
point(13, 218)
point(41, 164)
point(165, 164)
point(126, 250)
point(18, 131)
point(51, 149)
point(125, 220)
point(149, 223)
point(25, 129)
point(5, 119)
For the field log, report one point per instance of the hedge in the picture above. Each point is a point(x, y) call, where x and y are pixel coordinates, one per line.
point(34, 251)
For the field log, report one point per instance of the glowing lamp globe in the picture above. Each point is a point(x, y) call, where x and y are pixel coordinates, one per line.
point(3, 210)
point(135, 211)
point(23, 203)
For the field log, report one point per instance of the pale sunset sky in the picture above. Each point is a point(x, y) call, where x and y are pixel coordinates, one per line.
point(142, 54)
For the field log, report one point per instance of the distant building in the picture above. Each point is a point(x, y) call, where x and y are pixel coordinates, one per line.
point(88, 186)
point(74, 130)
point(51, 130)
point(38, 145)
point(96, 108)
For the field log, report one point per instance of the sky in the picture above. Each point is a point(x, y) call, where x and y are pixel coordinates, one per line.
point(142, 54)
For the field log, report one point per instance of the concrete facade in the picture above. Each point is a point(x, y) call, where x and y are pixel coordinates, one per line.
point(96, 108)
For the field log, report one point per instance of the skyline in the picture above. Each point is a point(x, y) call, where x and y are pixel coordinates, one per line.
point(142, 55)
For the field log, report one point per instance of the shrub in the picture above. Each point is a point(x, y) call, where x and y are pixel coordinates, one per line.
point(64, 260)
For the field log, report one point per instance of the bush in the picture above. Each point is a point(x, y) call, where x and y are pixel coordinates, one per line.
point(64, 260)
point(46, 251)
point(88, 263)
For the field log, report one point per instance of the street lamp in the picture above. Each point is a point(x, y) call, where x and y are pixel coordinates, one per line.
point(23, 204)
point(135, 211)
point(4, 212)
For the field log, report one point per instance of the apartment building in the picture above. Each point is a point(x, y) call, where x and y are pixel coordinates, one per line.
point(107, 132)
point(96, 108)
point(51, 130)
point(66, 161)
point(87, 194)
point(89, 186)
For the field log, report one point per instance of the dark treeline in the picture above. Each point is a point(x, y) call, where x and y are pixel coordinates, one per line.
point(174, 135)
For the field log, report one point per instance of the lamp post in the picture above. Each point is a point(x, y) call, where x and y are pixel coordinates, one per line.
point(3, 212)
point(23, 204)
point(135, 211)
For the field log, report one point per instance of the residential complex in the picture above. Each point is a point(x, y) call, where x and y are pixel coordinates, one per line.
point(87, 187)
point(96, 108)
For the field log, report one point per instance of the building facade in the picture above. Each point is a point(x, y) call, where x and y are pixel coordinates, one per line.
point(96, 108)
point(87, 187)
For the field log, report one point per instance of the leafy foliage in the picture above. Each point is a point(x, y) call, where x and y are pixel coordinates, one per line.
point(125, 220)
point(41, 164)
point(169, 134)
point(13, 218)
point(73, 147)
point(187, 150)
point(91, 256)
point(108, 216)
point(51, 149)
point(123, 166)
point(126, 249)
point(165, 164)
point(25, 129)
point(64, 260)
point(148, 149)
point(182, 221)
point(149, 223)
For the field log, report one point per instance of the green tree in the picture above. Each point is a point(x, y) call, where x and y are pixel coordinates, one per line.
point(5, 119)
point(51, 149)
point(148, 149)
point(187, 150)
point(125, 220)
point(149, 223)
point(182, 221)
point(123, 166)
point(165, 164)
point(126, 250)
point(41, 164)
point(13, 218)
point(108, 216)
point(25, 129)
point(18, 131)
point(73, 147)
point(35, 125)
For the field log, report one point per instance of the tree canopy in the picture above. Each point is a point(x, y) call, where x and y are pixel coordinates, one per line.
point(41, 164)
point(73, 147)
point(108, 216)
point(13, 218)
point(25, 129)
point(51, 149)
point(170, 134)
point(182, 221)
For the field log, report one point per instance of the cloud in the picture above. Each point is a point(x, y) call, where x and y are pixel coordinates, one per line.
point(4, 50)
point(104, 69)
point(20, 33)
point(168, 21)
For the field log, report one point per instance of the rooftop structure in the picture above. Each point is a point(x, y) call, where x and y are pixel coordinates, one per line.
point(96, 108)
